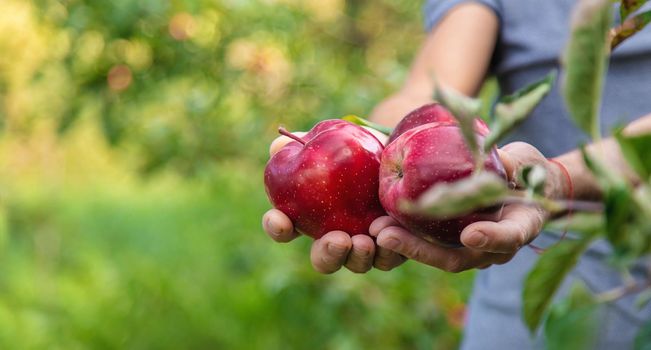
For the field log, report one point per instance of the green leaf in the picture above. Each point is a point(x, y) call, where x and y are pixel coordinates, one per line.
point(465, 109)
point(605, 176)
point(585, 223)
point(447, 200)
point(619, 209)
point(629, 28)
point(585, 65)
point(629, 6)
point(546, 277)
point(643, 338)
point(511, 110)
point(636, 152)
point(643, 299)
point(363, 122)
point(533, 178)
point(627, 224)
point(642, 195)
point(573, 322)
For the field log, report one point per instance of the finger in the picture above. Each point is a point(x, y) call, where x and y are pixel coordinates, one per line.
point(517, 155)
point(381, 223)
point(484, 266)
point(278, 226)
point(378, 135)
point(507, 161)
point(501, 259)
point(360, 258)
point(518, 226)
point(330, 251)
point(402, 242)
point(387, 259)
point(449, 259)
point(281, 141)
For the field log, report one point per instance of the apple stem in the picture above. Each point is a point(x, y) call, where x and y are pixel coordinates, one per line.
point(283, 131)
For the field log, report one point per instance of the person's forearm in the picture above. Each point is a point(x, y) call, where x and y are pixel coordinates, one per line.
point(585, 184)
point(457, 52)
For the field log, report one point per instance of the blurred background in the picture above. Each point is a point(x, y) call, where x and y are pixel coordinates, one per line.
point(133, 135)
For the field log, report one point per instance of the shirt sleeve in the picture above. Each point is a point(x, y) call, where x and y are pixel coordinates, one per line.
point(435, 10)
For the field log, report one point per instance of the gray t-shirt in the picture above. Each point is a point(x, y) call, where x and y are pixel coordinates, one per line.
point(532, 36)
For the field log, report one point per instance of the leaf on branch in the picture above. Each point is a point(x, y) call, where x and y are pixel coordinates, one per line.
point(636, 152)
point(573, 322)
point(604, 175)
point(584, 223)
point(511, 110)
point(643, 338)
point(621, 208)
point(629, 6)
point(447, 200)
point(363, 122)
point(546, 277)
point(628, 28)
point(585, 61)
point(465, 109)
point(626, 212)
point(627, 225)
point(642, 195)
point(643, 299)
point(533, 178)
point(619, 212)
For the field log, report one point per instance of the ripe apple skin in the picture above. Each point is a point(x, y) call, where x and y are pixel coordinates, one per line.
point(420, 158)
point(431, 113)
point(329, 183)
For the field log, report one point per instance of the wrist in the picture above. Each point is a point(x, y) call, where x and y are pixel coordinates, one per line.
point(417, 89)
point(562, 186)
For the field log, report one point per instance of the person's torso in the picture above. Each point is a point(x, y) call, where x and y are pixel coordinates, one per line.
point(533, 36)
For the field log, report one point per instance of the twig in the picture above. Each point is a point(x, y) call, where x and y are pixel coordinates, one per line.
point(620, 292)
point(557, 206)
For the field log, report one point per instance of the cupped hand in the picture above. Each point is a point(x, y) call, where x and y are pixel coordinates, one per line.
point(485, 242)
point(335, 249)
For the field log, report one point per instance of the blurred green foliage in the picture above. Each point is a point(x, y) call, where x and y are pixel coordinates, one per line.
point(134, 134)
point(188, 81)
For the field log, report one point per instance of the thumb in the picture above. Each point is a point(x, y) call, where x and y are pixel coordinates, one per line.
point(517, 155)
point(378, 135)
point(280, 142)
point(509, 164)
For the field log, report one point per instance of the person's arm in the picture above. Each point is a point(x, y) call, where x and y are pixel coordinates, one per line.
point(458, 52)
point(488, 243)
point(585, 186)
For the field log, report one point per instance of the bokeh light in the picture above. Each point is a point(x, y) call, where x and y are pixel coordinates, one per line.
point(119, 77)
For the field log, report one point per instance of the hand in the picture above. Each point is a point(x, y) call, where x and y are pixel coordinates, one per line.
point(335, 249)
point(485, 242)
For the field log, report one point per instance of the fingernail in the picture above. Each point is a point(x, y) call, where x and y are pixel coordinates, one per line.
point(272, 227)
point(336, 249)
point(477, 239)
point(390, 243)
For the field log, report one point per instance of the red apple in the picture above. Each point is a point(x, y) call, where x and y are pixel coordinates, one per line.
point(431, 113)
point(327, 180)
point(420, 158)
